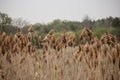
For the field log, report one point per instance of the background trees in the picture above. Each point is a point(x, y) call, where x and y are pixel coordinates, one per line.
point(5, 21)
point(109, 24)
point(5, 24)
point(19, 22)
point(116, 22)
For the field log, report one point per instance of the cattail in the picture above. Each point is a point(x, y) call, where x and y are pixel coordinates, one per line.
point(81, 37)
point(114, 39)
point(46, 38)
point(91, 51)
point(114, 54)
point(75, 56)
point(29, 36)
point(55, 67)
point(51, 32)
point(33, 48)
point(64, 37)
point(89, 32)
point(22, 60)
point(53, 40)
point(79, 58)
point(88, 63)
point(45, 46)
point(58, 56)
point(86, 47)
point(36, 36)
point(79, 48)
point(59, 47)
point(19, 32)
point(66, 62)
point(8, 57)
point(84, 40)
point(3, 35)
point(0, 50)
point(29, 44)
point(45, 61)
point(3, 49)
point(40, 39)
point(15, 38)
point(8, 39)
point(61, 72)
point(84, 32)
point(30, 29)
point(119, 72)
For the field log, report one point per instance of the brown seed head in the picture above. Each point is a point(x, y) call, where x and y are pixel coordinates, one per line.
point(51, 32)
point(30, 29)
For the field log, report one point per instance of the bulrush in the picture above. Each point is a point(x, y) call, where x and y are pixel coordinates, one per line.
point(59, 47)
point(29, 45)
point(86, 47)
point(8, 57)
point(96, 44)
point(71, 40)
point(114, 54)
point(19, 32)
point(3, 49)
point(51, 32)
point(75, 56)
point(79, 47)
point(86, 33)
point(91, 52)
point(36, 36)
point(88, 62)
point(39, 41)
point(80, 57)
point(55, 66)
point(57, 42)
point(118, 48)
point(30, 29)
point(66, 62)
point(0, 50)
point(29, 36)
point(45, 47)
point(89, 32)
point(91, 59)
point(3, 35)
point(7, 40)
point(64, 38)
point(83, 33)
point(49, 37)
point(15, 39)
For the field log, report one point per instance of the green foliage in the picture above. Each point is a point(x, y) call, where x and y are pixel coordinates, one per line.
point(115, 31)
point(99, 31)
point(77, 33)
point(116, 22)
point(5, 24)
point(99, 27)
point(57, 34)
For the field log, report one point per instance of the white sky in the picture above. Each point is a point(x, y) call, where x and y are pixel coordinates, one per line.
point(44, 11)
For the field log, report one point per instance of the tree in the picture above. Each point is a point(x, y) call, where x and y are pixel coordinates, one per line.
point(5, 21)
point(87, 22)
point(19, 22)
point(116, 22)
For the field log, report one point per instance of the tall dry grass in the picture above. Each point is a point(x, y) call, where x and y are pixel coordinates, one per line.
point(59, 58)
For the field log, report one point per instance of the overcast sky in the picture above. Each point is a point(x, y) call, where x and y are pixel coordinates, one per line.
point(44, 11)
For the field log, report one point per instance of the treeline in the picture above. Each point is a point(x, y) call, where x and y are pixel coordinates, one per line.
point(109, 24)
point(98, 27)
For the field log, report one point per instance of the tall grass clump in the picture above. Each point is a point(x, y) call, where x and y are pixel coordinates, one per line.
point(63, 57)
